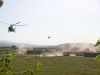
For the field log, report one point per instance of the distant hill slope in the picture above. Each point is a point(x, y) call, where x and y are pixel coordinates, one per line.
point(8, 43)
point(66, 46)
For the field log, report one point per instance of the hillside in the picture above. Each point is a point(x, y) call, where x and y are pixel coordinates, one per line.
point(66, 46)
point(8, 43)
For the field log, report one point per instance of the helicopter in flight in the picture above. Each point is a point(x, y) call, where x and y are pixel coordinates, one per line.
point(10, 28)
point(49, 37)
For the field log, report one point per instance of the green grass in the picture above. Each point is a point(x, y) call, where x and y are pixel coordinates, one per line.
point(59, 65)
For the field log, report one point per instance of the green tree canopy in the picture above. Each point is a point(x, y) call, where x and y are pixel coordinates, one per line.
point(13, 47)
point(98, 42)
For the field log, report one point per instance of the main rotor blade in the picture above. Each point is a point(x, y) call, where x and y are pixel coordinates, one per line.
point(4, 23)
point(16, 23)
point(20, 25)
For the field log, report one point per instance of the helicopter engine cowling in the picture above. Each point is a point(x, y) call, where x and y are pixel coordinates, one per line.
point(1, 3)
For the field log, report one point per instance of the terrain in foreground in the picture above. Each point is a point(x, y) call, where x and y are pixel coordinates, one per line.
point(58, 65)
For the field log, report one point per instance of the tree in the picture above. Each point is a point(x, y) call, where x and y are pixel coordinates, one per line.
point(98, 42)
point(13, 47)
point(97, 58)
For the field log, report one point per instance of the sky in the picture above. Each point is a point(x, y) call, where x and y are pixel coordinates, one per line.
point(66, 21)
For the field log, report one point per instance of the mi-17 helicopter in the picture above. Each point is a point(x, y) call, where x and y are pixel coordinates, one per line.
point(10, 28)
point(49, 37)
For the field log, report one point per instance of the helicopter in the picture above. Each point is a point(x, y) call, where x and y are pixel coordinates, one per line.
point(49, 37)
point(10, 28)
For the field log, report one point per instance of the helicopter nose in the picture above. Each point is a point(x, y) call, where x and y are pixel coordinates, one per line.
point(1, 3)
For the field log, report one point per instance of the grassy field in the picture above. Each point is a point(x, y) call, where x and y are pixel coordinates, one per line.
point(59, 65)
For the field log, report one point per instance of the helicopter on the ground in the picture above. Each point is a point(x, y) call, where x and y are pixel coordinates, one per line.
point(10, 28)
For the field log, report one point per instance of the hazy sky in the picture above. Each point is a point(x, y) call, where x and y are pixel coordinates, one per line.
point(66, 21)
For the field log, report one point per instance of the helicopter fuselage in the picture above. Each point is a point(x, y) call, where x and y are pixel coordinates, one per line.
point(11, 29)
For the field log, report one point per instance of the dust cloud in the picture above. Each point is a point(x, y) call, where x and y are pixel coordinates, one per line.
point(21, 51)
point(82, 47)
point(71, 47)
point(74, 47)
